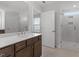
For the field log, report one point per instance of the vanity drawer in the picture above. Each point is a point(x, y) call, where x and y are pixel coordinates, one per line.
point(26, 52)
point(32, 40)
point(7, 52)
point(20, 45)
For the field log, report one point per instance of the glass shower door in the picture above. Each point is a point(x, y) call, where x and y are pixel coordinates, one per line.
point(67, 32)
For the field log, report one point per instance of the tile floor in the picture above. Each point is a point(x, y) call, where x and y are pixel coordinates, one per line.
point(59, 52)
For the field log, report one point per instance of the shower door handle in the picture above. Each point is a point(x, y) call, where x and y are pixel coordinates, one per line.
point(74, 27)
point(53, 31)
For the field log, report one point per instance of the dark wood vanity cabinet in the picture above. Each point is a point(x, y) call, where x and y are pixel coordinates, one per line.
point(19, 46)
point(2, 31)
point(38, 48)
point(28, 48)
point(7, 51)
point(22, 50)
point(26, 52)
point(33, 48)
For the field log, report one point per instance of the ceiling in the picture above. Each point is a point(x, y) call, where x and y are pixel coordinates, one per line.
point(22, 6)
point(40, 3)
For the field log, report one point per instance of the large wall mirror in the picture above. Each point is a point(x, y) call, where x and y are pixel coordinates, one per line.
point(2, 21)
point(13, 16)
point(16, 15)
point(36, 21)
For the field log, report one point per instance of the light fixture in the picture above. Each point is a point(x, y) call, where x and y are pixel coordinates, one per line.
point(43, 1)
point(75, 13)
point(74, 6)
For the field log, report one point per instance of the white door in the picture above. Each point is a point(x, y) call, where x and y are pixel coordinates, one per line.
point(68, 31)
point(48, 28)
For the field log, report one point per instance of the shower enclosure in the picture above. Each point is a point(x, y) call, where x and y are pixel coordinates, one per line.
point(70, 29)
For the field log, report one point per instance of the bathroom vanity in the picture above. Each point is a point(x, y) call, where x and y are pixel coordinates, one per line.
point(26, 45)
point(2, 31)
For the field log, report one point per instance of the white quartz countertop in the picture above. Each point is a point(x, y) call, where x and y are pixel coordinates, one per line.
point(15, 38)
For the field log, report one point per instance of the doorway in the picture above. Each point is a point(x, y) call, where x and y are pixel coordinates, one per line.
point(48, 28)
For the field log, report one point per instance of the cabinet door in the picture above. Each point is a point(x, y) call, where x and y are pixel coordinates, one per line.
point(48, 28)
point(26, 52)
point(2, 31)
point(20, 46)
point(7, 52)
point(37, 49)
